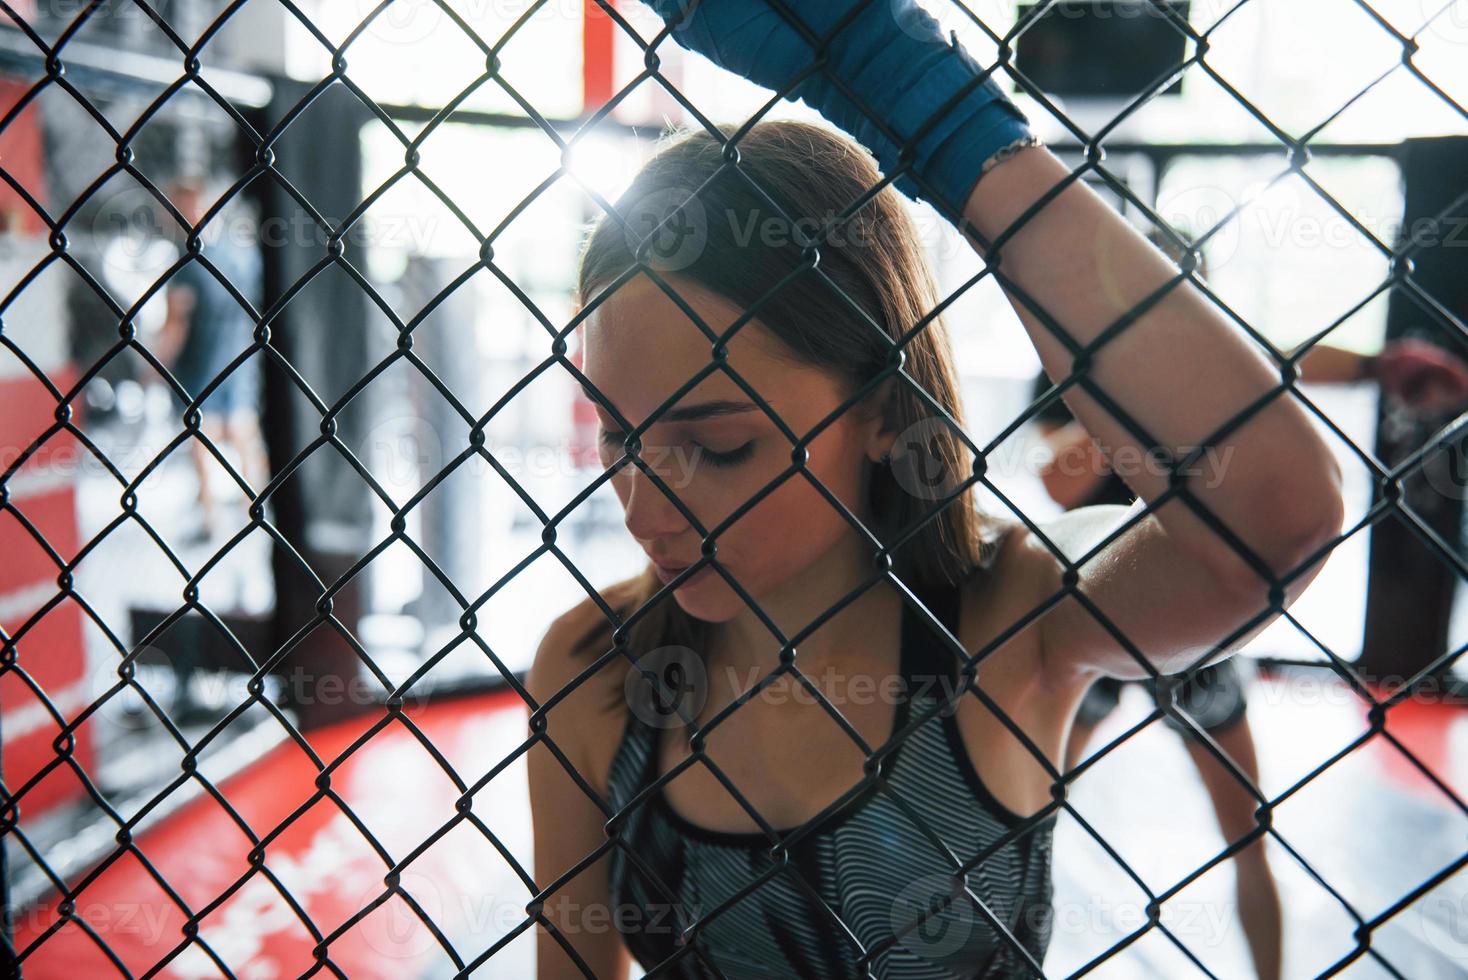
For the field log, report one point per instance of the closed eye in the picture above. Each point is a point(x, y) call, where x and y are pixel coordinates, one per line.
point(614, 440)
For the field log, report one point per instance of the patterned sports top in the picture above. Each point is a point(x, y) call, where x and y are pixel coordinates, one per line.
point(830, 904)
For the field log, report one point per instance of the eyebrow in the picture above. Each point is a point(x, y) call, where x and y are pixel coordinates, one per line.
point(695, 413)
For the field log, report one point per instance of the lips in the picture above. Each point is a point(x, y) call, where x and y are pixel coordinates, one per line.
point(667, 573)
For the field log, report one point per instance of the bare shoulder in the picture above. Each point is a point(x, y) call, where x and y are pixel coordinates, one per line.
point(586, 708)
point(1001, 606)
point(1018, 576)
point(562, 652)
point(999, 621)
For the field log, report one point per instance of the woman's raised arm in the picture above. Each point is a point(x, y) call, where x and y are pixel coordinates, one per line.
point(1182, 371)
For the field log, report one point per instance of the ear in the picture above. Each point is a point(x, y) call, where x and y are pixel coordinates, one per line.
point(877, 422)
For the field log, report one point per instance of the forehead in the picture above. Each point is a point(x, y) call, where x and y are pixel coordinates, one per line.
point(640, 347)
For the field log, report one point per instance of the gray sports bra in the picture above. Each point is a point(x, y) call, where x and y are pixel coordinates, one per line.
point(696, 902)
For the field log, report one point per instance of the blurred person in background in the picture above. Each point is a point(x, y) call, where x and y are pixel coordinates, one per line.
point(206, 328)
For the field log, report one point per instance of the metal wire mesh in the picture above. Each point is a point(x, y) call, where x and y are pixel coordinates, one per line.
point(63, 401)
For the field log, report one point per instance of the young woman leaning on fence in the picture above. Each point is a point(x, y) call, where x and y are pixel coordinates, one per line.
point(661, 846)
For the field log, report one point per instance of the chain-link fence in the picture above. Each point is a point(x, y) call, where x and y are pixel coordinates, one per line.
point(975, 892)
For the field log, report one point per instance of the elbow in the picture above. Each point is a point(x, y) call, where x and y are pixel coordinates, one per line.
point(1313, 533)
point(1298, 520)
point(1318, 513)
point(1307, 495)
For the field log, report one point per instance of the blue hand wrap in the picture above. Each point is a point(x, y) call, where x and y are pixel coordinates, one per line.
point(893, 57)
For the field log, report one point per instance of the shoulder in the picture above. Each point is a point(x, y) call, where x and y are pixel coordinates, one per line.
point(571, 646)
point(1019, 579)
point(998, 616)
point(1011, 565)
point(586, 707)
point(997, 587)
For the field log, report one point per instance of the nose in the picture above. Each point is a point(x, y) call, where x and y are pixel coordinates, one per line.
point(647, 511)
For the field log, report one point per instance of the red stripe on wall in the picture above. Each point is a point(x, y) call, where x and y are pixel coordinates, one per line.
point(597, 37)
point(51, 655)
point(51, 652)
point(26, 561)
point(30, 408)
point(24, 158)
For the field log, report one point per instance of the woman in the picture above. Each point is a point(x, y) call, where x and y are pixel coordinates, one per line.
point(657, 824)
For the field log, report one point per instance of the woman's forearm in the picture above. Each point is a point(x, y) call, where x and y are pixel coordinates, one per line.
point(1324, 364)
point(1181, 371)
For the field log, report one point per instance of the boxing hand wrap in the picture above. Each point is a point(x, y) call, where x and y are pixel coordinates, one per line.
point(928, 91)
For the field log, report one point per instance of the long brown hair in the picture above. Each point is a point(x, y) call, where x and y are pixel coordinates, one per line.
point(875, 259)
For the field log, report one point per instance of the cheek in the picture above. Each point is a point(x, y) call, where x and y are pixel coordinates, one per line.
point(795, 524)
point(775, 539)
